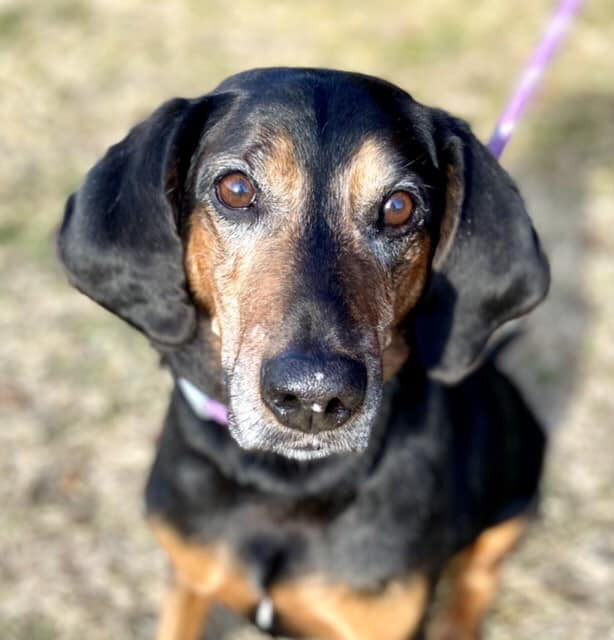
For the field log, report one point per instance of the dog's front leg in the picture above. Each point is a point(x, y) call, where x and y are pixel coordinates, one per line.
point(202, 574)
point(184, 614)
point(474, 581)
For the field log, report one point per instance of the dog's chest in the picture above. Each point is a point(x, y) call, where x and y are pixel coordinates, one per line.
point(314, 563)
point(250, 574)
point(383, 529)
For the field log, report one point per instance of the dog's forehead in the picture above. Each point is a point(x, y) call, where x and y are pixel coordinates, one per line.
point(321, 88)
point(321, 111)
point(330, 123)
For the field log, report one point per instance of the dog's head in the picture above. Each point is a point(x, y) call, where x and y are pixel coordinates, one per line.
point(314, 227)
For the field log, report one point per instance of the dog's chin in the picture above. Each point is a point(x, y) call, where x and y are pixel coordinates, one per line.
point(309, 453)
point(273, 438)
point(314, 450)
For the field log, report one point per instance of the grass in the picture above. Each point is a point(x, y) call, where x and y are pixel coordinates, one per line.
point(81, 396)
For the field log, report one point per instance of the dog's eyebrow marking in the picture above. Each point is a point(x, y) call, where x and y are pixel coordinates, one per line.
point(371, 170)
point(282, 178)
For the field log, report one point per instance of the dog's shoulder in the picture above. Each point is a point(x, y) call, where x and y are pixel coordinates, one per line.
point(497, 451)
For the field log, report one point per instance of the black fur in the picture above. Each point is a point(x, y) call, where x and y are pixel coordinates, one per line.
point(443, 462)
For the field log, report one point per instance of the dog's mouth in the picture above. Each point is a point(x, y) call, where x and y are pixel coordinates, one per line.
point(275, 438)
point(308, 451)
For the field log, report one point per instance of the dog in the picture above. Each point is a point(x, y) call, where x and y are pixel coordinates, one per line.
point(329, 259)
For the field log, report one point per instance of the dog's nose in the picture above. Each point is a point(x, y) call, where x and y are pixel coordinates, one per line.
point(313, 393)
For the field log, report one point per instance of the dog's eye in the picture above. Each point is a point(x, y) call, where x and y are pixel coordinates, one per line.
point(397, 209)
point(235, 190)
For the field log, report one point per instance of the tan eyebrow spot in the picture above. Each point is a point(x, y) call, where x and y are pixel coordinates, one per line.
point(368, 173)
point(282, 177)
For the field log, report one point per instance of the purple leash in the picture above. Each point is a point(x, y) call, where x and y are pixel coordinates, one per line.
point(208, 408)
point(542, 56)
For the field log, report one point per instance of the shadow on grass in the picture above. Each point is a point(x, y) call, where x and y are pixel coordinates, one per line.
point(573, 140)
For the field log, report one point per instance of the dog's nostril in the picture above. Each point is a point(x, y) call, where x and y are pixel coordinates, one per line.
point(335, 406)
point(287, 401)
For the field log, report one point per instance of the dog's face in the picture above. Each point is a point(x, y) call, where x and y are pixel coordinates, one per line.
point(307, 243)
point(323, 225)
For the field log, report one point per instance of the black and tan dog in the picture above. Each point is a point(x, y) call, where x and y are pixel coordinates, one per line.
point(329, 258)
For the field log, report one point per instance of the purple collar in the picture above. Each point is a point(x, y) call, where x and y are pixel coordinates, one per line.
point(202, 405)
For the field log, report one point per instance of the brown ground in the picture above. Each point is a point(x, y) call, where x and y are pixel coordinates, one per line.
point(81, 398)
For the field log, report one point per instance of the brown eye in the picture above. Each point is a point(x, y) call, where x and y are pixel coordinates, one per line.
point(235, 190)
point(397, 209)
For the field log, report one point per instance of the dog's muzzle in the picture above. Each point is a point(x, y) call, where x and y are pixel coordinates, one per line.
point(313, 392)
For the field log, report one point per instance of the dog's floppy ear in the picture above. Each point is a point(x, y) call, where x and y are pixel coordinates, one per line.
point(119, 239)
point(488, 266)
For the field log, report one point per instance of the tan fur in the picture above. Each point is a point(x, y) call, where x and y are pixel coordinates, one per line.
point(367, 176)
point(370, 175)
point(451, 218)
point(309, 606)
point(183, 616)
point(202, 574)
point(283, 180)
point(474, 580)
point(361, 185)
point(409, 277)
point(395, 356)
point(224, 273)
point(313, 607)
point(199, 259)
